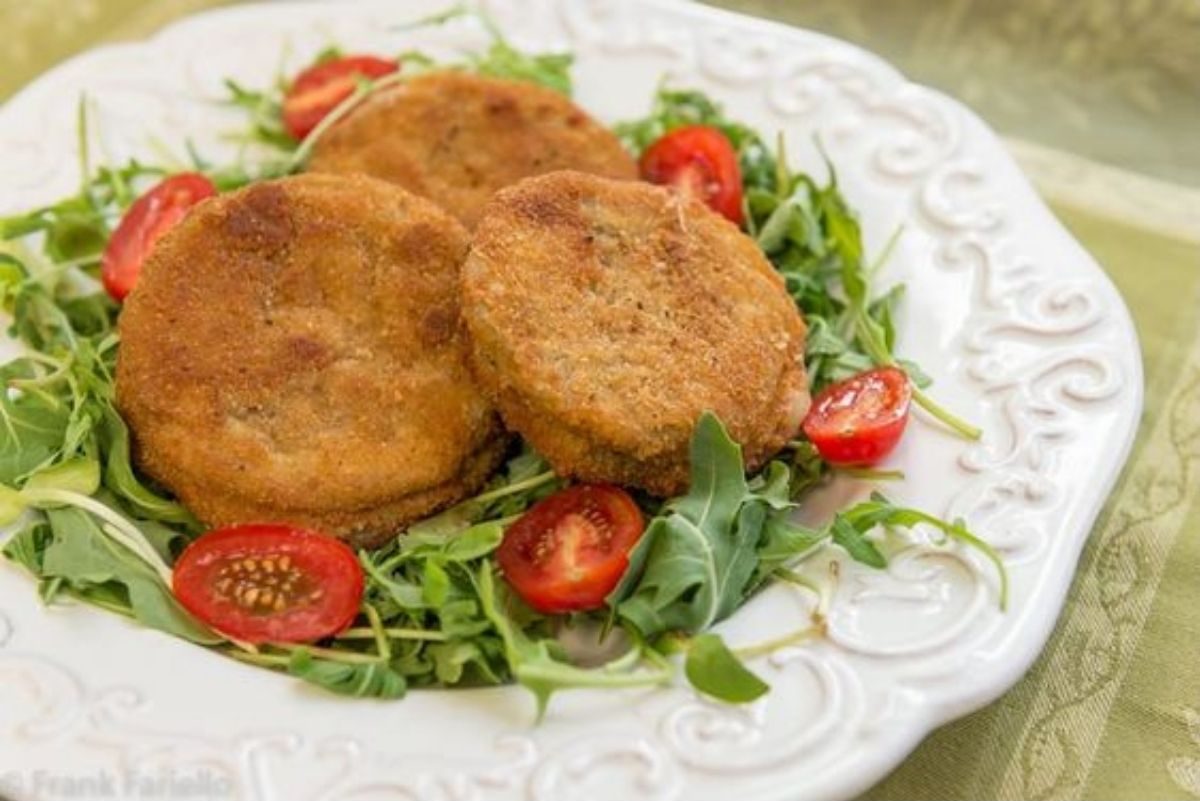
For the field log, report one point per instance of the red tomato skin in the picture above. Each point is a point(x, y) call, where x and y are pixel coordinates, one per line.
point(319, 89)
point(698, 160)
point(860, 420)
point(329, 563)
point(531, 554)
point(146, 221)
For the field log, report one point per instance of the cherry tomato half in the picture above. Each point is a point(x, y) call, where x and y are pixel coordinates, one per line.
point(569, 550)
point(270, 583)
point(150, 216)
point(319, 89)
point(859, 421)
point(699, 161)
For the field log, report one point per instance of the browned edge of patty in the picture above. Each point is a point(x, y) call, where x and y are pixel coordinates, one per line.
point(371, 527)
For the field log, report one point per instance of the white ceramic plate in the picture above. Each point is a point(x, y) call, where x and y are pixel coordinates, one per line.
point(1021, 329)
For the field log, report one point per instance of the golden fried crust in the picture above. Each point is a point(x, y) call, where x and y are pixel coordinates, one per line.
point(293, 351)
point(607, 316)
point(457, 138)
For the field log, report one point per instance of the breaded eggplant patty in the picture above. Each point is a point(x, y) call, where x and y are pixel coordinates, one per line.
point(293, 352)
point(457, 138)
point(607, 316)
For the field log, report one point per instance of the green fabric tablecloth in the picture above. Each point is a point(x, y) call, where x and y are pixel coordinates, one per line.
point(1101, 104)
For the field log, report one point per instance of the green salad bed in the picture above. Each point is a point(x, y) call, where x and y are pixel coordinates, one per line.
point(436, 612)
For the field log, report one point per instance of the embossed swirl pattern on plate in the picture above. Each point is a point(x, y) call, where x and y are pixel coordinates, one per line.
point(812, 698)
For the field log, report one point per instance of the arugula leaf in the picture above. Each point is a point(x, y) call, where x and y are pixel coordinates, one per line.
point(77, 227)
point(475, 543)
point(74, 233)
point(32, 427)
point(91, 315)
point(700, 556)
point(265, 109)
point(852, 539)
point(167, 542)
point(80, 475)
point(329, 53)
point(462, 617)
point(28, 545)
point(502, 60)
point(372, 679)
point(525, 479)
point(882, 311)
point(718, 484)
point(808, 469)
point(535, 666)
point(714, 670)
point(394, 592)
point(435, 587)
point(85, 559)
point(879, 511)
point(120, 478)
point(461, 661)
point(784, 542)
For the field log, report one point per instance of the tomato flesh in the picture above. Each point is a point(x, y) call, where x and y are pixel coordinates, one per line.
point(859, 421)
point(146, 221)
point(700, 162)
point(319, 89)
point(270, 583)
point(569, 550)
